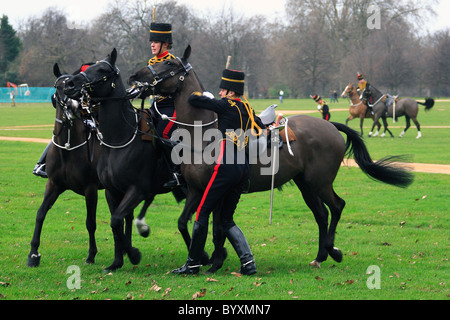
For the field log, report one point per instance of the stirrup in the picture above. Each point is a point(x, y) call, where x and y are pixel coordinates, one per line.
point(177, 181)
point(39, 170)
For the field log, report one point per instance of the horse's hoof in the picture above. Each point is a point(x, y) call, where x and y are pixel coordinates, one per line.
point(204, 260)
point(142, 228)
point(213, 269)
point(336, 254)
point(145, 233)
point(214, 256)
point(34, 260)
point(315, 264)
point(89, 261)
point(135, 256)
point(112, 268)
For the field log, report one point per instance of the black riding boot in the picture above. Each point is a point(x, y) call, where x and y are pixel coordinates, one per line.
point(192, 265)
point(177, 179)
point(39, 168)
point(240, 245)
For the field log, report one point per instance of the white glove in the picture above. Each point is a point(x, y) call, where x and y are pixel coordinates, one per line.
point(208, 95)
point(319, 107)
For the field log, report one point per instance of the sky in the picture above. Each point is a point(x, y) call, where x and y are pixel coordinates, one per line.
point(87, 10)
point(20, 11)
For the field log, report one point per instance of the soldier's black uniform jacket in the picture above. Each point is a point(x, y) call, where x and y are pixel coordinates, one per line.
point(326, 112)
point(228, 179)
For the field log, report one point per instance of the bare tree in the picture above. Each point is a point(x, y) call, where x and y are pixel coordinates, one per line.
point(320, 46)
point(438, 67)
point(47, 40)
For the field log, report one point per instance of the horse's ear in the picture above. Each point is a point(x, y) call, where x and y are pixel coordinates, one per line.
point(187, 53)
point(113, 56)
point(56, 70)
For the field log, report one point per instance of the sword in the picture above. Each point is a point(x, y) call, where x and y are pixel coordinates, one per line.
point(275, 144)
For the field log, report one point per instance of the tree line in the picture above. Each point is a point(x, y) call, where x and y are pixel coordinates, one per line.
point(317, 46)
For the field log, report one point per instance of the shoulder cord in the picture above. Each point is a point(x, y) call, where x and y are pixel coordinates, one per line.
point(252, 119)
point(232, 136)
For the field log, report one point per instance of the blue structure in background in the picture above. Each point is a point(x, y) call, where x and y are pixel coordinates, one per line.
point(27, 94)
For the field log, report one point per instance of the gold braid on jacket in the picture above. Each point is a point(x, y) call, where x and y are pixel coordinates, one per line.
point(155, 59)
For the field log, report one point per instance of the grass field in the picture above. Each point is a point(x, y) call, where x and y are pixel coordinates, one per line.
point(403, 232)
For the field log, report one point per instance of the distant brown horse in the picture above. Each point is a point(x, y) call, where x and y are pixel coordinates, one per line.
point(357, 108)
point(318, 153)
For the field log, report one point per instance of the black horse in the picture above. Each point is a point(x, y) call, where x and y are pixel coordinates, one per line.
point(130, 168)
point(69, 166)
point(317, 156)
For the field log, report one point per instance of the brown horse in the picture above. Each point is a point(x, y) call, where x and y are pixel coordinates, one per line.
point(357, 108)
point(318, 153)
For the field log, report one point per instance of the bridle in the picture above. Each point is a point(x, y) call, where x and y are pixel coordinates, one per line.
point(86, 99)
point(347, 92)
point(184, 69)
point(158, 78)
point(90, 85)
point(68, 116)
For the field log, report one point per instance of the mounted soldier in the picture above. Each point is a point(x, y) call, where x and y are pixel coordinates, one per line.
point(364, 89)
point(161, 43)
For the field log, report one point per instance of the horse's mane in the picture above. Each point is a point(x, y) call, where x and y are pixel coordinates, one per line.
point(375, 92)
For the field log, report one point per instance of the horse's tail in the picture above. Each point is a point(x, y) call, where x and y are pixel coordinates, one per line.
point(429, 103)
point(382, 170)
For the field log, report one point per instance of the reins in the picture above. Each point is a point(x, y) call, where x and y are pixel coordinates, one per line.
point(185, 69)
point(66, 122)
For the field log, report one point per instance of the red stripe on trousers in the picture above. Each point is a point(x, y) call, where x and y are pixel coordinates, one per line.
point(211, 181)
point(169, 126)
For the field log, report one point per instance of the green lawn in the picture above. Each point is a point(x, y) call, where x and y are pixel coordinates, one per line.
point(403, 232)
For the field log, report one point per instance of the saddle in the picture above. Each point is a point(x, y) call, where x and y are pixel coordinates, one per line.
point(290, 134)
point(268, 119)
point(147, 127)
point(390, 100)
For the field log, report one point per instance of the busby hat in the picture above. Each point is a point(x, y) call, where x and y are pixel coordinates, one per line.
point(316, 98)
point(161, 32)
point(233, 80)
point(360, 76)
